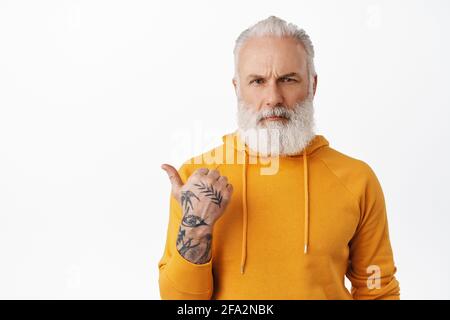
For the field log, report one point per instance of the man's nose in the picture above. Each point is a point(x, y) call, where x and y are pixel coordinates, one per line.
point(273, 96)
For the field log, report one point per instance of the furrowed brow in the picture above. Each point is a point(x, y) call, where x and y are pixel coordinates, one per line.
point(257, 76)
point(254, 76)
point(292, 74)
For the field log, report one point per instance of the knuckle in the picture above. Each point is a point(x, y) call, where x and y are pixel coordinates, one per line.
point(215, 171)
point(200, 170)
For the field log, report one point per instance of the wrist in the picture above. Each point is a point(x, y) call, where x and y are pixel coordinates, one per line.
point(198, 232)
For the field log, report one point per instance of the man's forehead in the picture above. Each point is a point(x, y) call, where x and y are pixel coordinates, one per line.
point(259, 57)
point(253, 69)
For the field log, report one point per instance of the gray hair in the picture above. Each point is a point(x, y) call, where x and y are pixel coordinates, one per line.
point(274, 26)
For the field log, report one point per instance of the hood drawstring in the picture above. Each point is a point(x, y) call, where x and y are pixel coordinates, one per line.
point(245, 213)
point(305, 179)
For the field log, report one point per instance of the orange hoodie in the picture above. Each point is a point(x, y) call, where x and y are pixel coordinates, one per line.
point(291, 234)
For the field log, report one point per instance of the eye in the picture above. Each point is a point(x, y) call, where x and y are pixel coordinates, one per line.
point(258, 81)
point(288, 80)
point(193, 221)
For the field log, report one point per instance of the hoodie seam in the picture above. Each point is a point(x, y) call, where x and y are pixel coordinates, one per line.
point(343, 184)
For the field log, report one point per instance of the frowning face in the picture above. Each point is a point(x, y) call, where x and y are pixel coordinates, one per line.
point(274, 92)
point(272, 72)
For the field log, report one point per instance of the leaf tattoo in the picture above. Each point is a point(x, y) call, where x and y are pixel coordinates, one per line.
point(210, 192)
point(186, 200)
point(194, 252)
point(181, 235)
point(186, 246)
point(193, 221)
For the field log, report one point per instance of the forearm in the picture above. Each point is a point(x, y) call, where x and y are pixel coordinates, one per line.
point(195, 243)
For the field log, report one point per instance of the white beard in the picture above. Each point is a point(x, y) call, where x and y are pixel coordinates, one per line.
point(277, 138)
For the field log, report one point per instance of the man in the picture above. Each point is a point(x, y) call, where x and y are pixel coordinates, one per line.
point(293, 231)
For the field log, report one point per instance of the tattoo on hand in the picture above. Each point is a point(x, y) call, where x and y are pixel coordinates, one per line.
point(186, 200)
point(205, 257)
point(187, 246)
point(181, 234)
point(193, 252)
point(193, 221)
point(210, 192)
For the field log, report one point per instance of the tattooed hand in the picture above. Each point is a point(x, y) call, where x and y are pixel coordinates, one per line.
point(203, 200)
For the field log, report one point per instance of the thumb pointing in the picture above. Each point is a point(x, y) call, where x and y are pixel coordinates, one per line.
point(175, 179)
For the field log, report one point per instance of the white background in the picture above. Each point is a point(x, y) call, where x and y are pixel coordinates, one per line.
point(95, 95)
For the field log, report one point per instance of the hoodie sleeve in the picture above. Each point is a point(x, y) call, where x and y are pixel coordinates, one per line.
point(180, 279)
point(371, 267)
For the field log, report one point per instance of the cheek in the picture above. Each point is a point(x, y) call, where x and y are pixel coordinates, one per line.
point(293, 95)
point(251, 96)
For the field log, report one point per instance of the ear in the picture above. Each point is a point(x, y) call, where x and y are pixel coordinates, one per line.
point(234, 84)
point(315, 85)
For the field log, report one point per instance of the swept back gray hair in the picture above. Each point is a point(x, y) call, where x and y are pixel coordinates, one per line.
point(274, 26)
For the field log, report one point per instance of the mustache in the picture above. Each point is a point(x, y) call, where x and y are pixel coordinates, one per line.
point(278, 111)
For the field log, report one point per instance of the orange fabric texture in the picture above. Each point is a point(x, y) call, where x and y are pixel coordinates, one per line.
point(294, 234)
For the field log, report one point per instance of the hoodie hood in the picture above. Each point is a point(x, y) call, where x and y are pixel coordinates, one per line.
point(318, 141)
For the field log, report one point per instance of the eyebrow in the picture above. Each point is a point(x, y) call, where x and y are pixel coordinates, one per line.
point(291, 74)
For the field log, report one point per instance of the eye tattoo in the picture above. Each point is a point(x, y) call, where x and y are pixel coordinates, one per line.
point(193, 221)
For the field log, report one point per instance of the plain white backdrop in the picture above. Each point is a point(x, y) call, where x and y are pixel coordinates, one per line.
point(95, 95)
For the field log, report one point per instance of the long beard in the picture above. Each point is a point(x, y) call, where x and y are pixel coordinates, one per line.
point(277, 138)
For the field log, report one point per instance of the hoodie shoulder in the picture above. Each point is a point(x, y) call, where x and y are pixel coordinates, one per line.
point(355, 174)
point(333, 158)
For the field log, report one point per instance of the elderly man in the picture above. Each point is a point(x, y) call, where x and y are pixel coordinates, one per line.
point(294, 231)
